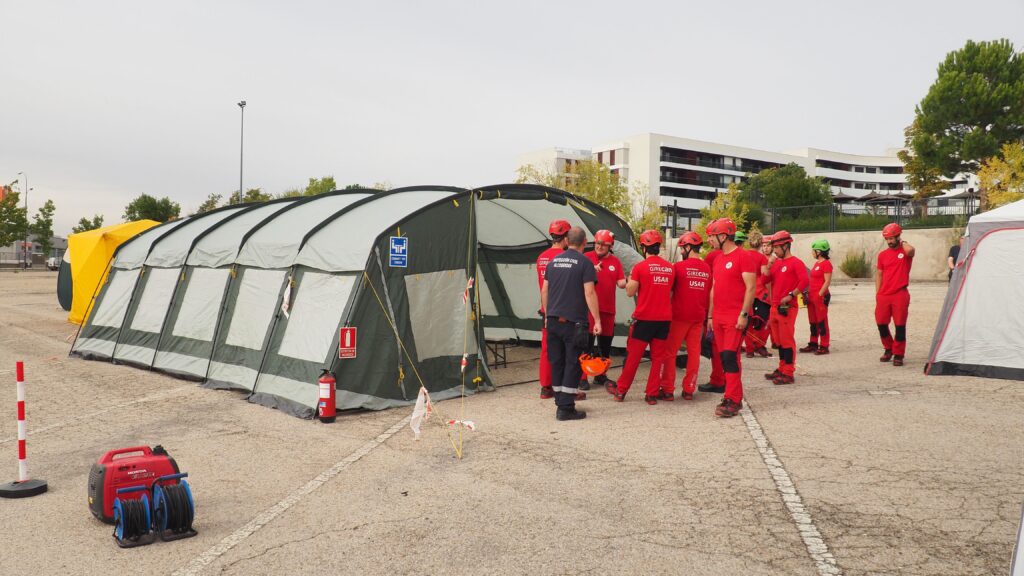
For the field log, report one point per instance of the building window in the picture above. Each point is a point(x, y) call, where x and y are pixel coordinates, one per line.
point(600, 157)
point(611, 158)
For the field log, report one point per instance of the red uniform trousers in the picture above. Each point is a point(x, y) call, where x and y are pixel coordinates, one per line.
point(717, 377)
point(784, 334)
point(691, 333)
point(895, 307)
point(756, 338)
point(635, 349)
point(545, 367)
point(728, 339)
point(817, 316)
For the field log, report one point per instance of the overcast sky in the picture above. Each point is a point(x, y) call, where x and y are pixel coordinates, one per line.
point(102, 101)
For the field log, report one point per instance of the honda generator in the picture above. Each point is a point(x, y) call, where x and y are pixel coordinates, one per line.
point(139, 466)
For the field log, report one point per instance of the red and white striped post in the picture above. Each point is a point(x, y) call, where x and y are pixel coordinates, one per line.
point(23, 486)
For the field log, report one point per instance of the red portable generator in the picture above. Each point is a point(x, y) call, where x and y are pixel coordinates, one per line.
point(125, 468)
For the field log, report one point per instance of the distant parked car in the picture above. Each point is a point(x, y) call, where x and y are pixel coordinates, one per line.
point(53, 262)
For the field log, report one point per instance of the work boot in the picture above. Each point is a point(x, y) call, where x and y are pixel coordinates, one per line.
point(897, 360)
point(750, 354)
point(821, 351)
point(727, 409)
point(811, 347)
point(662, 395)
point(687, 395)
point(570, 414)
point(709, 387)
point(762, 352)
point(581, 396)
point(887, 356)
point(584, 385)
point(611, 386)
point(618, 397)
point(652, 400)
point(772, 375)
point(783, 379)
point(546, 393)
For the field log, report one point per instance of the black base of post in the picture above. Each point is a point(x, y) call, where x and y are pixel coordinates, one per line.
point(22, 489)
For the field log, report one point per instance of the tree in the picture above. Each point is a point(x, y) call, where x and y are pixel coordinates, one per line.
point(925, 180)
point(145, 207)
point(355, 186)
point(595, 182)
point(291, 193)
point(251, 195)
point(974, 107)
point(786, 186)
point(12, 219)
point(321, 186)
point(1002, 179)
point(84, 224)
point(212, 202)
point(42, 226)
point(729, 204)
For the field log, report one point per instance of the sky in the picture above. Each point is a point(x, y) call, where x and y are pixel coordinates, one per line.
point(103, 101)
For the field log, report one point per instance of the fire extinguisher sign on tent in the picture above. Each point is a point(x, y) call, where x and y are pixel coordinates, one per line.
point(347, 342)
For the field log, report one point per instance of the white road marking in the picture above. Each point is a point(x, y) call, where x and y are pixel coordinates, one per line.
point(813, 541)
point(206, 558)
point(160, 396)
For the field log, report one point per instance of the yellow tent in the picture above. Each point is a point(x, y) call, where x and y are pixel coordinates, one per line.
point(90, 253)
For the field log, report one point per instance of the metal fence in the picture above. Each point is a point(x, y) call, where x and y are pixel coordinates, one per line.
point(852, 217)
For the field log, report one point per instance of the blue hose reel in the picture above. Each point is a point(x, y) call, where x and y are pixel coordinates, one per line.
point(167, 515)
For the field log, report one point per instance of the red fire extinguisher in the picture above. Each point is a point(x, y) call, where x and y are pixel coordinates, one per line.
point(326, 409)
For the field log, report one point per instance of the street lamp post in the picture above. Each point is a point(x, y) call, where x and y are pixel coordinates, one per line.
point(241, 151)
point(24, 245)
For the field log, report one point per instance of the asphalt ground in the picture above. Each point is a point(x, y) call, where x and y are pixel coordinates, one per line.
point(858, 468)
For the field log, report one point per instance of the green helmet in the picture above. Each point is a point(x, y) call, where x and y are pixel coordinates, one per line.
point(740, 236)
point(820, 245)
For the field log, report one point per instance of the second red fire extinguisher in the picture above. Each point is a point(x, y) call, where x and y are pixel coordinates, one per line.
point(326, 409)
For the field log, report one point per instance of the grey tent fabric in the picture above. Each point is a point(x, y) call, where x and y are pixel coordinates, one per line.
point(979, 329)
point(252, 298)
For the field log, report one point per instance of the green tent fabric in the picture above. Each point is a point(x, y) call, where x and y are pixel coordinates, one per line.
point(252, 298)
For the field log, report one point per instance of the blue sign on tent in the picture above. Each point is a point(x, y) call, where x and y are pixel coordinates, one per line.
point(399, 252)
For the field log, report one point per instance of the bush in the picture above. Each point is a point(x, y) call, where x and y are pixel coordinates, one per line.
point(856, 265)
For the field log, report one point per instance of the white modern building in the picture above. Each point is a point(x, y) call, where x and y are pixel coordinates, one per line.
point(690, 173)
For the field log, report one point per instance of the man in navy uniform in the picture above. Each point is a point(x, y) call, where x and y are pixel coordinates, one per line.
point(566, 296)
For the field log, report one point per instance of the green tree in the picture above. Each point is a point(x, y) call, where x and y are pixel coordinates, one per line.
point(291, 193)
point(84, 224)
point(211, 203)
point(729, 204)
point(974, 107)
point(251, 195)
point(355, 186)
point(595, 182)
point(146, 207)
point(321, 186)
point(42, 226)
point(788, 185)
point(925, 180)
point(12, 219)
point(1002, 179)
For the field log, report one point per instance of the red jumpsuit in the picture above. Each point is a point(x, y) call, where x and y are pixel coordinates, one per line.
point(542, 265)
point(690, 294)
point(717, 377)
point(817, 310)
point(892, 302)
point(607, 281)
point(758, 338)
point(729, 290)
point(653, 315)
point(789, 275)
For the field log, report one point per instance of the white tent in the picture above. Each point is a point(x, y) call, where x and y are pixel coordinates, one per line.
point(979, 332)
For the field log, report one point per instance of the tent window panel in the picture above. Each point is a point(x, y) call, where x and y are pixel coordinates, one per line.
point(315, 316)
point(115, 301)
point(156, 297)
point(520, 282)
point(197, 318)
point(438, 314)
point(254, 307)
point(487, 306)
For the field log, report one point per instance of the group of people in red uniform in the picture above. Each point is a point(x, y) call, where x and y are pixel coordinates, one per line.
point(738, 297)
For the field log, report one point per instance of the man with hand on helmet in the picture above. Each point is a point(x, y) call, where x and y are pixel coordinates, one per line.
point(609, 277)
point(818, 298)
point(651, 282)
point(691, 292)
point(892, 299)
point(732, 293)
point(557, 230)
point(788, 278)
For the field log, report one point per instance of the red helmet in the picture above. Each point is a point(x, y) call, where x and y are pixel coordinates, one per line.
point(766, 239)
point(690, 238)
point(891, 230)
point(559, 227)
point(650, 238)
point(781, 237)
point(594, 365)
point(721, 226)
point(604, 237)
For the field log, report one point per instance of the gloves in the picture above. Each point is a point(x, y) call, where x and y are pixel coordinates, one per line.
point(783, 309)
